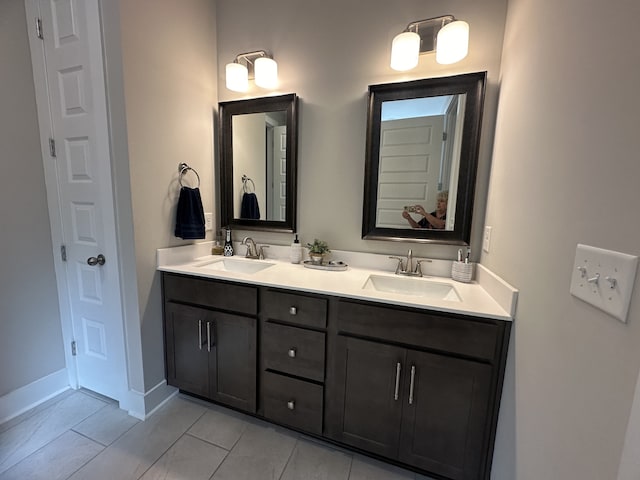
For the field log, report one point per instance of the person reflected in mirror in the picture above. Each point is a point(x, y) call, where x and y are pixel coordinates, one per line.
point(434, 220)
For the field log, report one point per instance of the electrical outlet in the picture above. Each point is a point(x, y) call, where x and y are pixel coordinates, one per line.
point(208, 222)
point(604, 279)
point(486, 239)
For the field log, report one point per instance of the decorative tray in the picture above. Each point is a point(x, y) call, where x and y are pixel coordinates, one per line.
point(332, 265)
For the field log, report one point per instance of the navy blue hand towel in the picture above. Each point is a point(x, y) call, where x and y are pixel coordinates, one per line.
point(190, 214)
point(249, 207)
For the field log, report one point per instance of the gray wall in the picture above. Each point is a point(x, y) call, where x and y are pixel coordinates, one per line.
point(30, 331)
point(328, 53)
point(565, 170)
point(169, 78)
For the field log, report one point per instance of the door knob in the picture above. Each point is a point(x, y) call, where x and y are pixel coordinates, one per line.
point(99, 260)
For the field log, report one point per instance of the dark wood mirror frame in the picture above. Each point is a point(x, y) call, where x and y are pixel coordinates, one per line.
point(287, 103)
point(473, 85)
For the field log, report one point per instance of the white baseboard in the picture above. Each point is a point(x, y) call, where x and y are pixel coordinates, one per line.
point(141, 405)
point(25, 398)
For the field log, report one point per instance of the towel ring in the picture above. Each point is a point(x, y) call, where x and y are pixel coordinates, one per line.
point(246, 179)
point(183, 168)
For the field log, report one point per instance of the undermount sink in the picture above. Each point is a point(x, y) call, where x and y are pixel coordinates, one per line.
point(236, 265)
point(416, 287)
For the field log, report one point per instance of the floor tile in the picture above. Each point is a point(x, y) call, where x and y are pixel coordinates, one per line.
point(364, 468)
point(56, 460)
point(31, 412)
point(106, 425)
point(314, 461)
point(23, 439)
point(220, 426)
point(189, 458)
point(133, 453)
point(261, 453)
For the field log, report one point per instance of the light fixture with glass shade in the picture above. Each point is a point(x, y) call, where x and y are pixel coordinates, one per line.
point(445, 35)
point(252, 65)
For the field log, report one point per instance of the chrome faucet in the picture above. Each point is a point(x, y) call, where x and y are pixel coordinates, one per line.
point(252, 249)
point(407, 269)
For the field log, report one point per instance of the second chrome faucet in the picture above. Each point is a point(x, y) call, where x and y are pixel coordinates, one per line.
point(407, 268)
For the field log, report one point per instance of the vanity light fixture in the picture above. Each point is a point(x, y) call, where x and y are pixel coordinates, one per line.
point(446, 35)
point(258, 65)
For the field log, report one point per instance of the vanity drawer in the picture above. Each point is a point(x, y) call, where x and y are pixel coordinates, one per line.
point(295, 308)
point(447, 333)
point(293, 350)
point(211, 293)
point(292, 402)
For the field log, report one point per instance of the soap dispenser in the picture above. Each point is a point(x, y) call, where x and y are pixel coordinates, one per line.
point(296, 250)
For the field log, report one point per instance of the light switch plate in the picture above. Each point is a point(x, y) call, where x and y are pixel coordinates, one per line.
point(486, 239)
point(604, 279)
point(208, 222)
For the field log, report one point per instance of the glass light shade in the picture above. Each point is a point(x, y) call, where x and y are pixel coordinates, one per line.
point(266, 72)
point(452, 44)
point(237, 77)
point(405, 49)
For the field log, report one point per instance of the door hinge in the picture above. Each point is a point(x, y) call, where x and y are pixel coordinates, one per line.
point(63, 253)
point(39, 28)
point(74, 350)
point(52, 147)
point(444, 136)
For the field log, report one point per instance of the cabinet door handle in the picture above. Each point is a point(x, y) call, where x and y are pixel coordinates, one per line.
point(292, 352)
point(200, 334)
point(398, 368)
point(209, 336)
point(411, 385)
point(293, 310)
point(291, 405)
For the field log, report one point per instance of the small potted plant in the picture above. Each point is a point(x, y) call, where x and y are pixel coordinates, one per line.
point(317, 250)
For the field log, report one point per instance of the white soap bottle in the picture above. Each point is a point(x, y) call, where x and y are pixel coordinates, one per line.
point(296, 251)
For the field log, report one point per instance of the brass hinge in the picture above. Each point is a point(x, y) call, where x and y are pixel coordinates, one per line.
point(74, 350)
point(52, 147)
point(63, 253)
point(39, 28)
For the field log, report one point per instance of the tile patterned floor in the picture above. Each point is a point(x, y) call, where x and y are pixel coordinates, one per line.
point(80, 435)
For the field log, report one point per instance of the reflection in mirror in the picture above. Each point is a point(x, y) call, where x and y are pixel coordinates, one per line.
point(258, 163)
point(421, 159)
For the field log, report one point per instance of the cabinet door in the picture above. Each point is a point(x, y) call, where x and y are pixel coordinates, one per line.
point(232, 362)
point(187, 358)
point(445, 415)
point(366, 411)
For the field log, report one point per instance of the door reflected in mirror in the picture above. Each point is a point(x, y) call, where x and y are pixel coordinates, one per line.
point(421, 159)
point(258, 156)
point(260, 166)
point(419, 162)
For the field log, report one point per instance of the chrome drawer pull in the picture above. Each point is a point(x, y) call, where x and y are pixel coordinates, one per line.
point(292, 353)
point(395, 394)
point(293, 310)
point(291, 405)
point(209, 336)
point(413, 380)
point(200, 334)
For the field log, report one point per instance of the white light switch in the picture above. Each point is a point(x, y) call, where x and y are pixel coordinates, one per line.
point(486, 239)
point(208, 222)
point(604, 279)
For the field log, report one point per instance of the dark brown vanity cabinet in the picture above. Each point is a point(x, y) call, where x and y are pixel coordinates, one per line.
point(210, 339)
point(292, 358)
point(416, 387)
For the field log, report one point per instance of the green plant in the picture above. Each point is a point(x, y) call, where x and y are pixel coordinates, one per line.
point(318, 246)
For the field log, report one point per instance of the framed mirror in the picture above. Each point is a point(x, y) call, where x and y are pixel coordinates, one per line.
point(421, 159)
point(258, 157)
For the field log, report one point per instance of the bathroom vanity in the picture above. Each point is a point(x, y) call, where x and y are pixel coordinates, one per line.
point(414, 385)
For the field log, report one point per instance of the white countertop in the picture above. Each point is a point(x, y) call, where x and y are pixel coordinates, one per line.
point(487, 296)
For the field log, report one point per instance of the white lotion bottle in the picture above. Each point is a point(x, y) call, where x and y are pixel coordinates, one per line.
point(296, 251)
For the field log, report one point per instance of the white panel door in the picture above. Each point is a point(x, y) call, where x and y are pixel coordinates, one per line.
point(410, 152)
point(77, 114)
point(279, 190)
